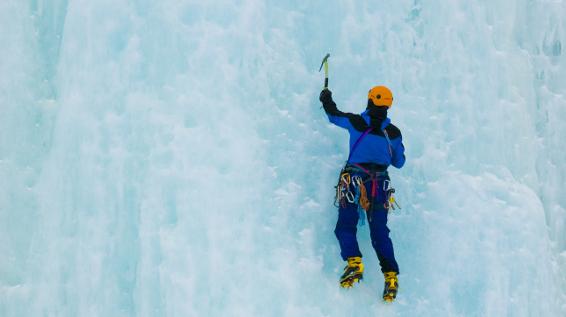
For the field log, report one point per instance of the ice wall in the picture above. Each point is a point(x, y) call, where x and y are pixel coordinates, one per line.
point(170, 158)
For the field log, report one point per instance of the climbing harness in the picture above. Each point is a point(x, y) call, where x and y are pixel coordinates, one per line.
point(351, 188)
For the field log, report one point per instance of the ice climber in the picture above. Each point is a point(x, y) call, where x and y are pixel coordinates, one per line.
point(364, 184)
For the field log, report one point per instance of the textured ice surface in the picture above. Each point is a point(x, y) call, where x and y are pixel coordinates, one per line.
point(170, 158)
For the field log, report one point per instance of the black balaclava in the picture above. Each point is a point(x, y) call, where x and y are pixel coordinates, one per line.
point(376, 113)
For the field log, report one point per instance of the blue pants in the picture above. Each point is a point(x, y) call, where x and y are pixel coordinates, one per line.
point(346, 227)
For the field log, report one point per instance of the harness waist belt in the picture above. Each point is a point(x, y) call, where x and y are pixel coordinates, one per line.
point(372, 167)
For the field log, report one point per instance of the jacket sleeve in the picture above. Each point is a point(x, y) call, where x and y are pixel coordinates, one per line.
point(398, 158)
point(336, 116)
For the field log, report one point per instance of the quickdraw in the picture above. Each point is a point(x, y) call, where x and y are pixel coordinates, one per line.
point(390, 201)
point(343, 192)
point(351, 189)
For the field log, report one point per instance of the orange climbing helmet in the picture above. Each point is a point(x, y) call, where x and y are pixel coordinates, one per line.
point(380, 96)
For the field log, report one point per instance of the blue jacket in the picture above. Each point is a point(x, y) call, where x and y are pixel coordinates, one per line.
point(375, 146)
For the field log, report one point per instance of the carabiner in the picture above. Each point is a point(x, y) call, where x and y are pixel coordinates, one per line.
point(350, 197)
point(386, 185)
point(346, 178)
point(357, 181)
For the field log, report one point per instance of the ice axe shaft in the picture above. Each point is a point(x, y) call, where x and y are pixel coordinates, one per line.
point(325, 64)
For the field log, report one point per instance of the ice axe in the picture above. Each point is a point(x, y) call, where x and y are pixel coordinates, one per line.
point(325, 64)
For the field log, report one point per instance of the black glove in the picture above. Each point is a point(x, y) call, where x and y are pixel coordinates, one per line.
point(325, 96)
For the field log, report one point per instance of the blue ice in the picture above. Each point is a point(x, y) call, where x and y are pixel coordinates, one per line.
point(170, 158)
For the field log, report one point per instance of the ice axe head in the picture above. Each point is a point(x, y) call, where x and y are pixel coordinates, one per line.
point(325, 64)
point(324, 60)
